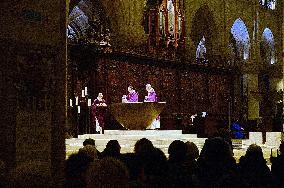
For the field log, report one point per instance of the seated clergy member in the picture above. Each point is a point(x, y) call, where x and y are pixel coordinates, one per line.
point(132, 95)
point(152, 96)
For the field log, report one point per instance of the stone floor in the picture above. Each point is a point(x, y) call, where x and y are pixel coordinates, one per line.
point(163, 138)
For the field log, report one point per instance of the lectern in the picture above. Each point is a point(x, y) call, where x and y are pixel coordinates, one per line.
point(136, 115)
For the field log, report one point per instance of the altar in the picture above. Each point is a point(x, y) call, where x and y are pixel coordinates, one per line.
point(136, 115)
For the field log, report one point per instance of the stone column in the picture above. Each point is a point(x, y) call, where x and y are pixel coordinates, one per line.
point(282, 38)
point(33, 84)
point(253, 103)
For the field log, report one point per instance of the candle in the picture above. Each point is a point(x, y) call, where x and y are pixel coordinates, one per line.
point(89, 102)
point(76, 100)
point(71, 103)
point(83, 93)
point(79, 111)
point(86, 93)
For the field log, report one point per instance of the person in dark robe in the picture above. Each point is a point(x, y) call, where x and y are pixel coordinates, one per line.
point(98, 113)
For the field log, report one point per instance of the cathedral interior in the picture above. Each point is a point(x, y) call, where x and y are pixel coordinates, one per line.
point(224, 58)
point(200, 57)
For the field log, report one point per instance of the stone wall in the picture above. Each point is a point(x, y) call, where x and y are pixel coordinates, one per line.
point(126, 21)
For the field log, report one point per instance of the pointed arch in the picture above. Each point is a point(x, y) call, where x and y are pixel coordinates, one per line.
point(267, 49)
point(241, 37)
point(171, 17)
point(203, 24)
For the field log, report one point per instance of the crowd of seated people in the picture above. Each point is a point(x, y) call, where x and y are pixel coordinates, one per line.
point(148, 166)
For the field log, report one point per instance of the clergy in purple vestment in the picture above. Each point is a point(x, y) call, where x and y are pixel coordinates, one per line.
point(132, 95)
point(152, 96)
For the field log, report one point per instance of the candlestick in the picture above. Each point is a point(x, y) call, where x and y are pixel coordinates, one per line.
point(79, 111)
point(83, 93)
point(86, 91)
point(76, 101)
point(70, 102)
point(89, 102)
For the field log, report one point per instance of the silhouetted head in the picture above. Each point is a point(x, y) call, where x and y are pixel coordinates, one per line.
point(216, 150)
point(112, 149)
point(89, 141)
point(77, 164)
point(107, 172)
point(143, 145)
point(90, 151)
point(177, 151)
point(113, 144)
point(192, 150)
point(254, 153)
point(154, 167)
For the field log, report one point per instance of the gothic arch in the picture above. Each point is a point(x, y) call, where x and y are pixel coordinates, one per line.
point(267, 47)
point(240, 35)
point(203, 24)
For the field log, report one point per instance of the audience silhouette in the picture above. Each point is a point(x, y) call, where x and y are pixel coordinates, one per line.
point(277, 167)
point(253, 168)
point(148, 166)
point(112, 149)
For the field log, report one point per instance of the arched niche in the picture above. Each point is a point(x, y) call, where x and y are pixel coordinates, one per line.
point(203, 25)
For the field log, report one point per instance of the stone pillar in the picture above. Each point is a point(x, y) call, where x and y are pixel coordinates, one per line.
point(7, 107)
point(282, 4)
point(33, 84)
point(253, 103)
